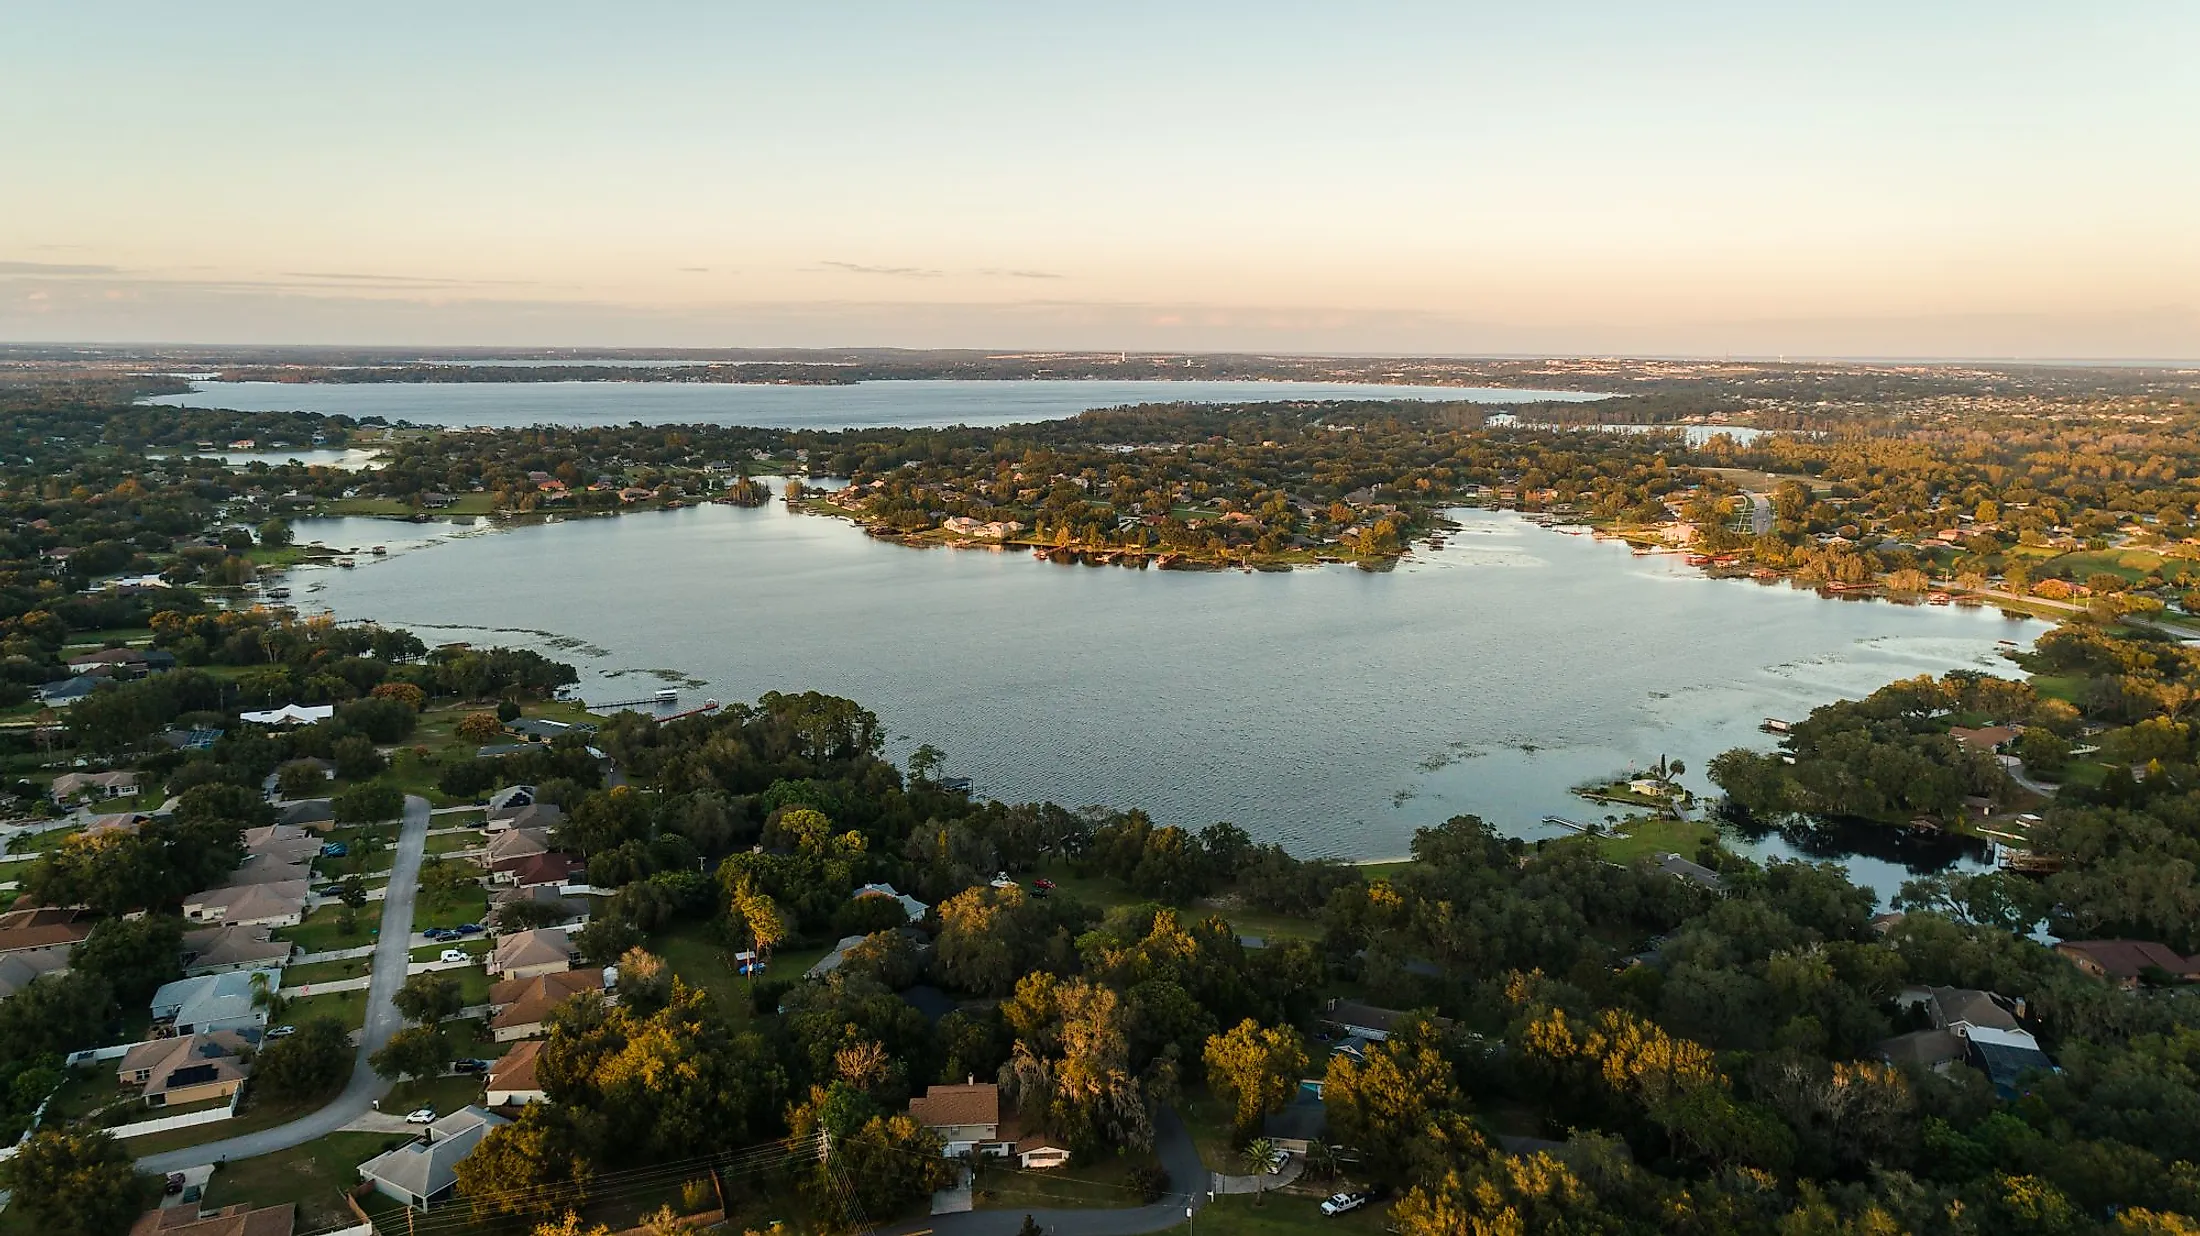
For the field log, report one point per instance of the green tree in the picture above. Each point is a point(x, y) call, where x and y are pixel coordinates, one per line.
point(134, 956)
point(429, 998)
point(275, 534)
point(368, 804)
point(415, 1051)
point(529, 1168)
point(300, 779)
point(73, 1183)
point(1256, 1070)
point(307, 1064)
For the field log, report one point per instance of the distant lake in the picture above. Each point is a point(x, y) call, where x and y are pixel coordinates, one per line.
point(1332, 710)
point(347, 460)
point(861, 405)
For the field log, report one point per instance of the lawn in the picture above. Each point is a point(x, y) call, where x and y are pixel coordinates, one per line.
point(327, 971)
point(349, 1008)
point(1108, 892)
point(444, 1094)
point(1643, 836)
point(468, 905)
point(434, 952)
point(258, 1114)
point(319, 932)
point(2063, 687)
point(1101, 1183)
point(698, 960)
point(1208, 1119)
point(315, 1176)
point(452, 843)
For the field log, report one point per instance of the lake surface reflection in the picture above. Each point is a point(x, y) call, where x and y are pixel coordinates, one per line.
point(856, 406)
point(1332, 710)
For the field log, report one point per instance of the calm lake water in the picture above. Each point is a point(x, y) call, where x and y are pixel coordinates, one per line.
point(862, 405)
point(1332, 710)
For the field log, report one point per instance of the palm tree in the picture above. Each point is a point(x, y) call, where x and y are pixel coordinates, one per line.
point(1264, 1156)
point(265, 995)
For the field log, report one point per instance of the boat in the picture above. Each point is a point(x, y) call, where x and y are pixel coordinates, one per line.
point(1939, 598)
point(346, 563)
point(379, 551)
point(1774, 725)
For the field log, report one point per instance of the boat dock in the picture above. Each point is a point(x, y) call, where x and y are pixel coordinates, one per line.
point(1563, 822)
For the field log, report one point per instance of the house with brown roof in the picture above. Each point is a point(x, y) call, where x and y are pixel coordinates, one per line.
point(127, 822)
point(967, 1117)
point(42, 927)
point(280, 904)
point(241, 1219)
point(186, 1069)
point(2128, 962)
point(212, 950)
point(550, 870)
point(512, 1080)
point(526, 954)
point(515, 844)
point(522, 1005)
point(1985, 738)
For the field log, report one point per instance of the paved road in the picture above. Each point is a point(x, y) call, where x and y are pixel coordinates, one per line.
point(1187, 1175)
point(391, 953)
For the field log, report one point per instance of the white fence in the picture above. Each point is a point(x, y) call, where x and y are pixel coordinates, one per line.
point(166, 1123)
point(93, 1055)
point(324, 988)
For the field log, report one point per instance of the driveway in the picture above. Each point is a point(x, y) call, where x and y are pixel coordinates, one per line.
point(1171, 1142)
point(391, 953)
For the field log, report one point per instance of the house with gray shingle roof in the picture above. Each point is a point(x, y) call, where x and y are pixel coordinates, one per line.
point(418, 1174)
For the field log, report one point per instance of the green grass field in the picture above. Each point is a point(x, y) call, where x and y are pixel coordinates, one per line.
point(314, 1176)
point(1644, 836)
point(319, 932)
point(349, 1008)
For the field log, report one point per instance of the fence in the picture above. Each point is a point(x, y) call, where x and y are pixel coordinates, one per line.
point(166, 1124)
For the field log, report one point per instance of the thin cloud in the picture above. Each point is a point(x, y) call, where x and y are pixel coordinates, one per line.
point(1023, 274)
point(409, 280)
point(56, 268)
point(904, 272)
point(696, 270)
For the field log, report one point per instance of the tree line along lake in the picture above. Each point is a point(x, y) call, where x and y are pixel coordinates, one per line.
point(1331, 710)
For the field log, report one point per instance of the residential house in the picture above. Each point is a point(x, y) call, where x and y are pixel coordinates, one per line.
point(264, 869)
point(2005, 1056)
point(1693, 872)
point(551, 870)
point(67, 691)
point(37, 928)
point(71, 786)
point(195, 738)
point(1960, 1010)
point(1303, 1122)
point(832, 960)
point(19, 970)
point(187, 1069)
point(214, 950)
point(543, 730)
point(290, 714)
point(967, 1118)
point(229, 1001)
point(910, 906)
point(517, 843)
point(272, 784)
point(314, 813)
point(539, 816)
point(1369, 1022)
point(2128, 962)
point(282, 843)
point(512, 1080)
point(128, 822)
point(526, 954)
point(419, 1174)
point(281, 904)
point(242, 1219)
point(573, 911)
point(509, 799)
point(1985, 738)
point(522, 1005)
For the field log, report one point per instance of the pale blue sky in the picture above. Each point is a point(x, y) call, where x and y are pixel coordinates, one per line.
point(1984, 179)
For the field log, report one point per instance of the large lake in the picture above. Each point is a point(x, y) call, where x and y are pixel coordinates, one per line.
point(1332, 710)
point(857, 406)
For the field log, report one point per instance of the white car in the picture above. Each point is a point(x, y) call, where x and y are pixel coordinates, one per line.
point(457, 954)
point(425, 1115)
point(1339, 1203)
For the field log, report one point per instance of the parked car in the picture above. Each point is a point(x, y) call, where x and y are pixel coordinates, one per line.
point(335, 849)
point(174, 1183)
point(469, 929)
point(440, 934)
point(457, 955)
point(425, 1115)
point(471, 1066)
point(1339, 1203)
point(277, 1032)
point(1043, 884)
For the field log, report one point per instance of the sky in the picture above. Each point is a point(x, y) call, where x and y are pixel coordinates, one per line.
point(1858, 179)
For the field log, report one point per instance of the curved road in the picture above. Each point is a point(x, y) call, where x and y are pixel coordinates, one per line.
point(1187, 1177)
point(392, 952)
